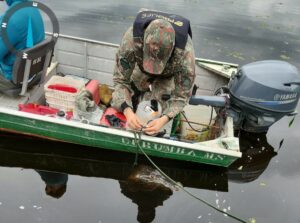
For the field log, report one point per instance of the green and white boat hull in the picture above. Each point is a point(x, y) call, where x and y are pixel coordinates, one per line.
point(90, 59)
point(120, 140)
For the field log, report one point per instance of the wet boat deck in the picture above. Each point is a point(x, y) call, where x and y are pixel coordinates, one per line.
point(12, 103)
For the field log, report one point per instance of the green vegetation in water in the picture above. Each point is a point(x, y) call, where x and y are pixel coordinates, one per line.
point(263, 184)
point(131, 17)
point(291, 122)
point(252, 220)
point(263, 16)
point(237, 55)
point(280, 144)
point(192, 1)
point(284, 57)
point(264, 25)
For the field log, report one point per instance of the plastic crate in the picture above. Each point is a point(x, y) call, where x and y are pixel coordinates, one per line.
point(61, 99)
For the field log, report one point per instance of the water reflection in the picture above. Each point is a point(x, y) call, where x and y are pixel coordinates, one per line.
point(142, 185)
point(72, 159)
point(56, 183)
point(147, 194)
point(257, 154)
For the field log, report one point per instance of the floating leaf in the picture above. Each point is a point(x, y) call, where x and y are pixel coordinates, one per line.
point(130, 17)
point(263, 184)
point(252, 220)
point(280, 144)
point(284, 57)
point(237, 55)
point(291, 122)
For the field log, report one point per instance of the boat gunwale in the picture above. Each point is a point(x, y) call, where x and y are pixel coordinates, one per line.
point(123, 133)
point(117, 45)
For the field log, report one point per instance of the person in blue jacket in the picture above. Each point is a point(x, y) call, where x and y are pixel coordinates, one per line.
point(17, 30)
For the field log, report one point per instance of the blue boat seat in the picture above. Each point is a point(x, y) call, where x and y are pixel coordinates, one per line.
point(30, 67)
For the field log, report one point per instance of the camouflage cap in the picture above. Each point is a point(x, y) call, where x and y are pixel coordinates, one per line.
point(159, 41)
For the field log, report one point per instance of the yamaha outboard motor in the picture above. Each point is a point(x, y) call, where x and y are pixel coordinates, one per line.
point(263, 92)
point(258, 95)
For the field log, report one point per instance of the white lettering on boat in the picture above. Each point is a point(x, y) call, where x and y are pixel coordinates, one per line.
point(171, 149)
point(213, 156)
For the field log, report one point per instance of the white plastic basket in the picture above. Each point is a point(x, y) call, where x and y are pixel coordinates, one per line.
point(61, 99)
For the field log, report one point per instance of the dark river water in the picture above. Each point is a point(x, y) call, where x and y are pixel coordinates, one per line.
point(262, 186)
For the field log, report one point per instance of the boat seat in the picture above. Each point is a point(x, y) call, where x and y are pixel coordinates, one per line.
point(30, 67)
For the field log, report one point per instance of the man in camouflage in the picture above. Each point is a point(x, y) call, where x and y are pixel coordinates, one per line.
point(153, 67)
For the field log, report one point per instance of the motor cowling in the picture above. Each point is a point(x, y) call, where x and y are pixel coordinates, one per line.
point(263, 92)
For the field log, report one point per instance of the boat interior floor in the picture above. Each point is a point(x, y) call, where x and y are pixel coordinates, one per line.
point(33, 95)
point(12, 103)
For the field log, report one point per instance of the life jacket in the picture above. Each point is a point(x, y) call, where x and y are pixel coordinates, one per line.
point(182, 29)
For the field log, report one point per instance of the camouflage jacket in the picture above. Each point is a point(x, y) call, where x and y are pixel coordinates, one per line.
point(178, 86)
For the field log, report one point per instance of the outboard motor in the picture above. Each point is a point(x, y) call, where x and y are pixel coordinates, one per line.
point(263, 92)
point(258, 95)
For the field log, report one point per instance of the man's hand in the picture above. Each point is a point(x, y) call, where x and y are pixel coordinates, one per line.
point(155, 125)
point(132, 120)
